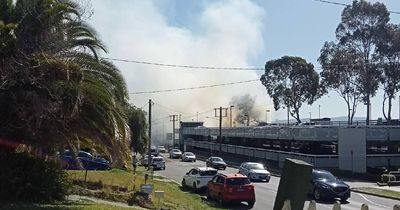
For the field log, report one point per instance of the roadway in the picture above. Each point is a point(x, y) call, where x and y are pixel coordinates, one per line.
point(266, 192)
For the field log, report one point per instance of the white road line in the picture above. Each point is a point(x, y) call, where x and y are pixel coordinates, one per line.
point(377, 204)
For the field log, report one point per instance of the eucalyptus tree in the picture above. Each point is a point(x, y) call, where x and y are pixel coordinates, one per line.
point(389, 63)
point(54, 89)
point(291, 81)
point(340, 72)
point(360, 28)
point(138, 129)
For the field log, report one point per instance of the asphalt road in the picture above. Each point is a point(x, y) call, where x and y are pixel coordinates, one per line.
point(266, 192)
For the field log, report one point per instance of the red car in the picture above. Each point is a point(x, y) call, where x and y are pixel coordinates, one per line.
point(231, 188)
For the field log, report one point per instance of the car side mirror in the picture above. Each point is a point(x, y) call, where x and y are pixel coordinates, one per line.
point(187, 173)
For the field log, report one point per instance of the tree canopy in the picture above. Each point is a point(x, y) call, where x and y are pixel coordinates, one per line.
point(54, 89)
point(291, 81)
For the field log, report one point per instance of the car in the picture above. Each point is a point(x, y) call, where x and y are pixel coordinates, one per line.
point(88, 161)
point(198, 177)
point(231, 188)
point(161, 149)
point(175, 153)
point(216, 162)
point(323, 184)
point(154, 151)
point(144, 161)
point(158, 163)
point(189, 157)
point(255, 171)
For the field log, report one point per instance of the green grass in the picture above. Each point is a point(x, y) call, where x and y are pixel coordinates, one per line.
point(62, 206)
point(174, 198)
point(383, 192)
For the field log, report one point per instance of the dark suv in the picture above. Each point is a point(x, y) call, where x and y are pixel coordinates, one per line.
point(325, 185)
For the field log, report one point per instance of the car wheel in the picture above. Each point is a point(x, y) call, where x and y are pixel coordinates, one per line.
point(208, 195)
point(317, 194)
point(221, 200)
point(250, 203)
point(194, 187)
point(343, 200)
point(183, 183)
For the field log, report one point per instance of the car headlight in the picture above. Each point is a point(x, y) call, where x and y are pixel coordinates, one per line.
point(324, 186)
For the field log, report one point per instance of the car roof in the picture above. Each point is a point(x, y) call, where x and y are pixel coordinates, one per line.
point(205, 169)
point(233, 175)
point(158, 157)
point(252, 163)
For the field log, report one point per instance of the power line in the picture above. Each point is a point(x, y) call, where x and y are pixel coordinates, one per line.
point(186, 66)
point(345, 5)
point(193, 88)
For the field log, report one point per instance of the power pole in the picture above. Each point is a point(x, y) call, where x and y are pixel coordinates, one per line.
point(149, 143)
point(173, 119)
point(220, 123)
point(230, 113)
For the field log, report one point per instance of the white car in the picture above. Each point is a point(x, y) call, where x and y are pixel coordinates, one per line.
point(189, 156)
point(175, 153)
point(198, 177)
point(158, 163)
point(255, 171)
point(161, 149)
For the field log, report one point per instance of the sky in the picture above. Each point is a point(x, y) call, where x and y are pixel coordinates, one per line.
point(220, 33)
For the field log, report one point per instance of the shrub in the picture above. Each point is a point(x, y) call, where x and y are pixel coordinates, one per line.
point(30, 179)
point(385, 178)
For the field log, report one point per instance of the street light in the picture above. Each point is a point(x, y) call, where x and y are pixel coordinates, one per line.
point(266, 115)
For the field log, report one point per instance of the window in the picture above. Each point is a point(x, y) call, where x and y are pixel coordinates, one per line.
point(220, 180)
point(194, 172)
point(208, 173)
point(237, 181)
point(214, 180)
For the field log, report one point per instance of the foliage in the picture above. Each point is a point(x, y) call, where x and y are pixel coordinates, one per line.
point(389, 63)
point(359, 30)
point(291, 81)
point(138, 127)
point(55, 91)
point(24, 183)
point(340, 72)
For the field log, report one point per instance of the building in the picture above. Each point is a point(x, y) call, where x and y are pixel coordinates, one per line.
point(352, 148)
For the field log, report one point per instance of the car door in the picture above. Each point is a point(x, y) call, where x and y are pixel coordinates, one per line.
point(241, 168)
point(194, 176)
point(212, 186)
point(219, 186)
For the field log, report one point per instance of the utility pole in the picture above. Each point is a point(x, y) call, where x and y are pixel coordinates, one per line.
point(220, 123)
point(173, 119)
point(266, 115)
point(319, 112)
point(230, 113)
point(149, 143)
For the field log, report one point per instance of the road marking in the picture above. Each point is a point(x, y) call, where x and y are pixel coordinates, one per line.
point(377, 204)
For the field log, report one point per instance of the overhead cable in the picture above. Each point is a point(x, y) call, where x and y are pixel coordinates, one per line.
point(345, 5)
point(193, 88)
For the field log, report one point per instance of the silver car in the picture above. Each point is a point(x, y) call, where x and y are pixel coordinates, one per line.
point(175, 153)
point(255, 171)
point(188, 157)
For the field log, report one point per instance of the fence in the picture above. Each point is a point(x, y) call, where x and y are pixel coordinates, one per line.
point(336, 206)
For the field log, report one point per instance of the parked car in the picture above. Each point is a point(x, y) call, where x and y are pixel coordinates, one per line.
point(189, 157)
point(325, 185)
point(144, 161)
point(198, 177)
point(161, 149)
point(154, 151)
point(158, 163)
point(255, 171)
point(175, 153)
point(216, 162)
point(231, 187)
point(87, 160)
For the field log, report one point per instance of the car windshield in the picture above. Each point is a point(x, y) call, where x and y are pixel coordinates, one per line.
point(237, 181)
point(217, 159)
point(208, 173)
point(157, 159)
point(176, 150)
point(324, 175)
point(189, 154)
point(256, 166)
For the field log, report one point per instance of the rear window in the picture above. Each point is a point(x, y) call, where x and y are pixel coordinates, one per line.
point(157, 159)
point(208, 173)
point(237, 181)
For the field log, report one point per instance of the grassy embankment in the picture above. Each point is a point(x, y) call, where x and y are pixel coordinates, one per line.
point(175, 197)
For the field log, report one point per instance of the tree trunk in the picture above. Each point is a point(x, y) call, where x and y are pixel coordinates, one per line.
point(389, 117)
point(383, 107)
point(368, 108)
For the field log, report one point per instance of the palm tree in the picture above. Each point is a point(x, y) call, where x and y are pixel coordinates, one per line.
point(54, 89)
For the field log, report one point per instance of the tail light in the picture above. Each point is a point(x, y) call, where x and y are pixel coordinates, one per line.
point(250, 187)
point(230, 189)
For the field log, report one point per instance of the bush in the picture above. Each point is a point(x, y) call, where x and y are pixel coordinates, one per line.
point(385, 178)
point(25, 178)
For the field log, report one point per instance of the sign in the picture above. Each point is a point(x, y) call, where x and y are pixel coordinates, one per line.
point(169, 136)
point(146, 188)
